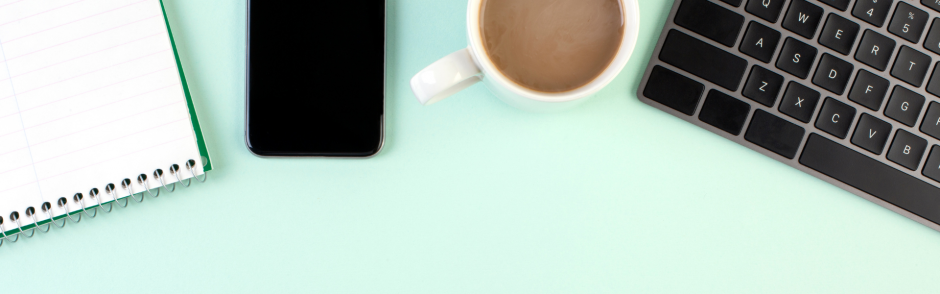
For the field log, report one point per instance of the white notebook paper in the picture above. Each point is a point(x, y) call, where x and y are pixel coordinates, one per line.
point(90, 94)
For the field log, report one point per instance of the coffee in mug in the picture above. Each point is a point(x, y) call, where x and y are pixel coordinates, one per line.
point(551, 45)
point(537, 55)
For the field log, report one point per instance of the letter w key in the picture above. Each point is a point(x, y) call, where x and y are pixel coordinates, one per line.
point(803, 18)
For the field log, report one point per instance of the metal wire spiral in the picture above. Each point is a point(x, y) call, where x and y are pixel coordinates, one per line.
point(94, 193)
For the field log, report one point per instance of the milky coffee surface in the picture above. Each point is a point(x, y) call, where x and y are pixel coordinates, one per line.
point(552, 45)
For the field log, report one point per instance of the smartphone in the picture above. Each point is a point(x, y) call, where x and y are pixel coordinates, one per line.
point(315, 78)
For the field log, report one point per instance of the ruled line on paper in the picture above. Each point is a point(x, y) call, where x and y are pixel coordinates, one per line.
point(71, 22)
point(92, 90)
point(97, 163)
point(11, 3)
point(100, 106)
point(80, 38)
point(106, 142)
point(96, 108)
point(39, 13)
point(92, 146)
point(117, 157)
point(87, 73)
point(78, 57)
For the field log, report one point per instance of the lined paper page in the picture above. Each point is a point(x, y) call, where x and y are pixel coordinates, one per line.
point(90, 94)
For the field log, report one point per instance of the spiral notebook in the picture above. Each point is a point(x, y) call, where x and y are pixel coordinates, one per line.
point(94, 111)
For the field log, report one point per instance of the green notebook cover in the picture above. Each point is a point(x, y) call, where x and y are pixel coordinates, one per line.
point(189, 98)
point(192, 114)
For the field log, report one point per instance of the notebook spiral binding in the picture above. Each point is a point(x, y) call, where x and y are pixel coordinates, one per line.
point(110, 188)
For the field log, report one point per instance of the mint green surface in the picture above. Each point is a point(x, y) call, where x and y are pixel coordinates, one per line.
point(472, 196)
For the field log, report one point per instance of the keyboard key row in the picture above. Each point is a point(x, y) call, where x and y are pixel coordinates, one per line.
point(730, 114)
point(722, 25)
point(780, 136)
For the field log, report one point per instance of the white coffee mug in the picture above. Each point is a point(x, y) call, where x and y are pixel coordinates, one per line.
point(470, 65)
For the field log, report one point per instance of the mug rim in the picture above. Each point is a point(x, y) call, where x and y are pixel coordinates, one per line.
point(631, 16)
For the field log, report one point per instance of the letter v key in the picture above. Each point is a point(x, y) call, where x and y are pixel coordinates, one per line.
point(871, 133)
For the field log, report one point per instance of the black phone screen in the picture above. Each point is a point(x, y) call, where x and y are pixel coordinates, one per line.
point(316, 77)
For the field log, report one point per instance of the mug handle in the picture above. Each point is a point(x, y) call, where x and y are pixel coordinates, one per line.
point(445, 77)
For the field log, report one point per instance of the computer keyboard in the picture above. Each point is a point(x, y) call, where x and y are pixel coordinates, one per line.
point(847, 91)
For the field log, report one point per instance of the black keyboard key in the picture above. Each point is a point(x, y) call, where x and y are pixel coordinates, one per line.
point(710, 20)
point(932, 4)
point(833, 74)
point(703, 60)
point(837, 4)
point(802, 18)
point(933, 85)
point(875, 49)
point(904, 106)
point(673, 90)
point(762, 86)
point(760, 42)
point(839, 34)
point(872, 177)
point(931, 123)
point(871, 134)
point(932, 167)
point(908, 22)
point(907, 150)
point(724, 112)
point(799, 102)
point(933, 37)
point(769, 10)
point(872, 11)
point(911, 66)
point(774, 134)
point(735, 3)
point(869, 90)
point(796, 58)
point(835, 118)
